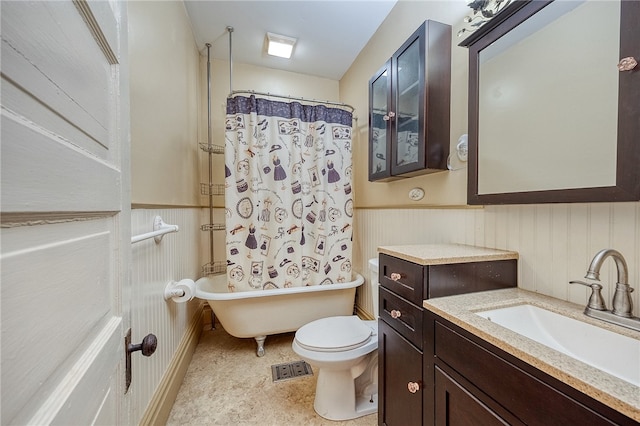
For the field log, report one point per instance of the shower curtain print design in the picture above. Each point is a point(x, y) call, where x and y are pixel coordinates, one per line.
point(288, 201)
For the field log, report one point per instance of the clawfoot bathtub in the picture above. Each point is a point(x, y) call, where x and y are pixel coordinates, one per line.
point(260, 313)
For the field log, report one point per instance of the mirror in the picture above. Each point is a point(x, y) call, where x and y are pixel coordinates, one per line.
point(550, 118)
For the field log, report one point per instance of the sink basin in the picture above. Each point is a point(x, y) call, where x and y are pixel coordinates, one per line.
point(613, 353)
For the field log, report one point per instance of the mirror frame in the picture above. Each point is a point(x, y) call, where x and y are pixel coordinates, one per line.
point(627, 187)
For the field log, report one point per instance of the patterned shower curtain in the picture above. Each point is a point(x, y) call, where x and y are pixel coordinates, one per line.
point(288, 199)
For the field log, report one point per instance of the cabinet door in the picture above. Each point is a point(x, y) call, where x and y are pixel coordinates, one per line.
point(400, 363)
point(533, 399)
point(380, 123)
point(408, 91)
point(455, 406)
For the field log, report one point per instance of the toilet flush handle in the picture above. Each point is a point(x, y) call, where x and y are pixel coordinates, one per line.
point(413, 387)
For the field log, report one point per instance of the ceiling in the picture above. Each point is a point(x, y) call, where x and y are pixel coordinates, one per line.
point(330, 33)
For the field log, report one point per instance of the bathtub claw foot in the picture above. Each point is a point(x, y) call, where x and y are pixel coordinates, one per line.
point(260, 341)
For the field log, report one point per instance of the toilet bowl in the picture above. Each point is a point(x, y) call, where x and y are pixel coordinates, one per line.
point(343, 350)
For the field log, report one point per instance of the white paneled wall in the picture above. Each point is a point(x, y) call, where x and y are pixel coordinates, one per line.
point(176, 257)
point(556, 242)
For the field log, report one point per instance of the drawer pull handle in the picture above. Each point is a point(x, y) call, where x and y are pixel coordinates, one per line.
point(395, 314)
point(395, 276)
point(413, 387)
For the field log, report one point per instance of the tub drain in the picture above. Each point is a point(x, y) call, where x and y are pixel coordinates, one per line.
point(290, 370)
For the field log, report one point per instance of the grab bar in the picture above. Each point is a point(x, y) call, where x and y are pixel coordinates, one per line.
point(159, 229)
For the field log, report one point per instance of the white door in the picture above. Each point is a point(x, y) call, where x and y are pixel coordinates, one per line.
point(65, 201)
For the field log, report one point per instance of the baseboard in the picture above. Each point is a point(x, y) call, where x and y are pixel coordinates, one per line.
point(157, 412)
point(363, 314)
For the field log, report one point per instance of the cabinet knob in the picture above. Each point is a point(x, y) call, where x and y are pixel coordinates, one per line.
point(395, 314)
point(625, 64)
point(395, 276)
point(389, 116)
point(413, 387)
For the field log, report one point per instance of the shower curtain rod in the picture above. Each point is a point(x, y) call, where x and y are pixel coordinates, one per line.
point(295, 98)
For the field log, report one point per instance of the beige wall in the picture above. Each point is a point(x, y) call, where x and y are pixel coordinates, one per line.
point(445, 188)
point(555, 242)
point(248, 77)
point(168, 89)
point(165, 96)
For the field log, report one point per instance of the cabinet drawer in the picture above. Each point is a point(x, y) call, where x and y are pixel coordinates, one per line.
point(403, 316)
point(527, 397)
point(402, 277)
point(461, 278)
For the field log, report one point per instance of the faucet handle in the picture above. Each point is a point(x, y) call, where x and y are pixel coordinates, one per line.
point(595, 300)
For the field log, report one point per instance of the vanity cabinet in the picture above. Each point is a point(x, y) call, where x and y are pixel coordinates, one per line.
point(477, 383)
point(404, 284)
point(409, 102)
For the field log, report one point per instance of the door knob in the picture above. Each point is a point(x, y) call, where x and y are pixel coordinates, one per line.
point(148, 345)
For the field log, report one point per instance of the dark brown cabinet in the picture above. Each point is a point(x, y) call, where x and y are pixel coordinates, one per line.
point(513, 163)
point(455, 405)
point(475, 380)
point(405, 388)
point(409, 102)
point(400, 365)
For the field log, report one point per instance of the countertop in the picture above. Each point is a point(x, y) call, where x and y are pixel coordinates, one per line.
point(439, 254)
point(611, 391)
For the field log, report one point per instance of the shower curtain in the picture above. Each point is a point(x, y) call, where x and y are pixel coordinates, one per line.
point(289, 205)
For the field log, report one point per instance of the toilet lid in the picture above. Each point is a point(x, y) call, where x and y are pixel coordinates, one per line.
point(334, 334)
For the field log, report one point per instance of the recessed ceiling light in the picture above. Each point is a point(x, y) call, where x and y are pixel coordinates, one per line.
point(279, 45)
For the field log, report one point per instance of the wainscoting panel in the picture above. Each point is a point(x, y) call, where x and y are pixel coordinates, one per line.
point(556, 242)
point(176, 257)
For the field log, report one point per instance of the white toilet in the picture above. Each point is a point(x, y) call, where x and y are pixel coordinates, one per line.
point(344, 351)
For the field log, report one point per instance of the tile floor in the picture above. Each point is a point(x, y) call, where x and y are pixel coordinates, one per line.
point(227, 384)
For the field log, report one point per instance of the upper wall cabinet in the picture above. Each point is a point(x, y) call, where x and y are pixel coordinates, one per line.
point(409, 102)
point(552, 119)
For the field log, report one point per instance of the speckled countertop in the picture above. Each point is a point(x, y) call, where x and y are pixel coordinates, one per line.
point(611, 391)
point(438, 254)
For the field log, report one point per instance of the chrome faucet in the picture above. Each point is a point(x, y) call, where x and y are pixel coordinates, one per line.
point(622, 303)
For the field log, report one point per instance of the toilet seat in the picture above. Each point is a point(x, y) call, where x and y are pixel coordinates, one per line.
point(334, 334)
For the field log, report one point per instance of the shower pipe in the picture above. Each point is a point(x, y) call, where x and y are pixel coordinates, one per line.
point(210, 150)
point(230, 30)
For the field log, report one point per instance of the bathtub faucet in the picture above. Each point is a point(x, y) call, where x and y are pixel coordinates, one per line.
point(622, 303)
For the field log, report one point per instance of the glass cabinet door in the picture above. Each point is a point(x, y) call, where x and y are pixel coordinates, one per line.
point(408, 113)
point(380, 123)
point(407, 101)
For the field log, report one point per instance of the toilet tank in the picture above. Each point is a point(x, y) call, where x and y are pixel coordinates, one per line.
point(374, 284)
